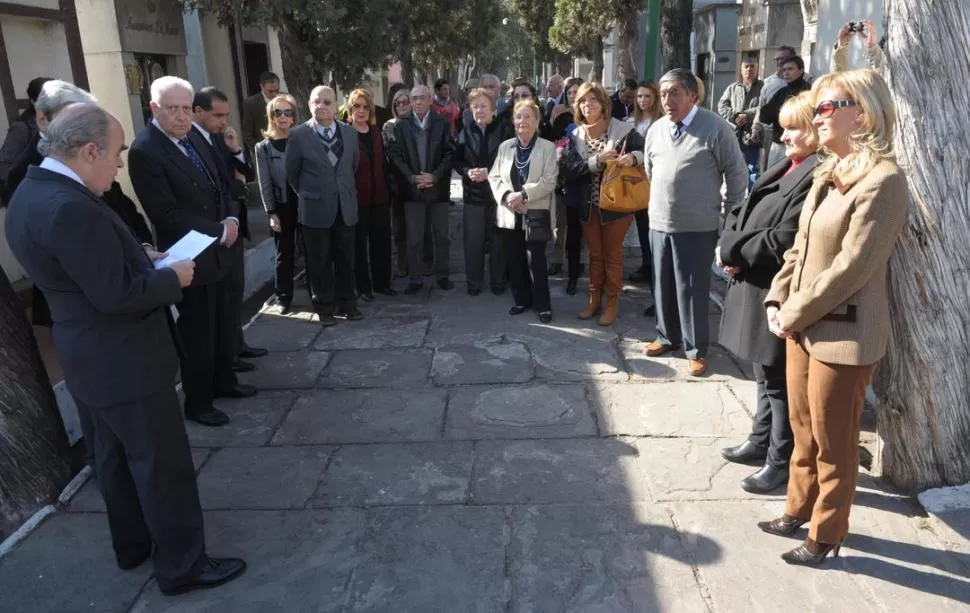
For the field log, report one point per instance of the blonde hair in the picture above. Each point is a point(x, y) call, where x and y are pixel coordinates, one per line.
point(478, 93)
point(528, 104)
point(591, 87)
point(872, 141)
point(798, 112)
point(270, 131)
point(352, 99)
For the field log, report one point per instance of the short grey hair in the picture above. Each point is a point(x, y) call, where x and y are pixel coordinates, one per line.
point(78, 125)
point(163, 85)
point(55, 95)
point(421, 88)
point(682, 76)
point(487, 76)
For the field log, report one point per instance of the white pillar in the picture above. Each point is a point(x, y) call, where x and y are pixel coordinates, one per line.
point(195, 46)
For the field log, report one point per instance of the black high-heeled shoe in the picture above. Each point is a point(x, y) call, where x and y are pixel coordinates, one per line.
point(811, 553)
point(786, 525)
point(518, 310)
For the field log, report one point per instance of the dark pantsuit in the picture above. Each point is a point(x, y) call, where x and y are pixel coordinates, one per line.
point(145, 473)
point(330, 266)
point(825, 408)
point(528, 271)
point(771, 429)
point(498, 259)
point(682, 284)
point(643, 234)
point(574, 242)
point(559, 245)
point(414, 215)
point(476, 229)
point(210, 340)
point(372, 262)
point(237, 290)
point(286, 242)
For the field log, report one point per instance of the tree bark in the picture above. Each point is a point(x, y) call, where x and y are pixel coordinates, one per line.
point(301, 71)
point(598, 63)
point(35, 462)
point(923, 385)
point(676, 24)
point(627, 47)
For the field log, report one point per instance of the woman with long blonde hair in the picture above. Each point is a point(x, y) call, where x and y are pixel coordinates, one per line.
point(830, 301)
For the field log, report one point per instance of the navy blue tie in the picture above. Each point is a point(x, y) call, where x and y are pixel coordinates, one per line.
point(195, 159)
point(680, 129)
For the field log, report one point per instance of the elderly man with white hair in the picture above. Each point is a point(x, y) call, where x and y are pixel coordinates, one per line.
point(181, 189)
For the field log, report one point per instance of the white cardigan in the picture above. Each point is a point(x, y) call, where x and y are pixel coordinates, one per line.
point(539, 186)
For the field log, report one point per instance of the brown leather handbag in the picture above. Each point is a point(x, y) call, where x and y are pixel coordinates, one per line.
point(624, 190)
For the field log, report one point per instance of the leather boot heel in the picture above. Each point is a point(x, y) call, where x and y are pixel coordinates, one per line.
point(609, 314)
point(593, 308)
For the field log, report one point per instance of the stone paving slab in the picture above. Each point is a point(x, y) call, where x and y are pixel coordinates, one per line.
point(364, 416)
point(502, 362)
point(693, 469)
point(253, 421)
point(678, 409)
point(573, 351)
point(373, 334)
point(276, 333)
point(556, 471)
point(378, 368)
point(602, 558)
point(262, 478)
point(67, 566)
point(368, 475)
point(287, 370)
point(519, 412)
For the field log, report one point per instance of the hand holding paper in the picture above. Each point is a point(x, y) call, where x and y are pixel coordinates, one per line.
point(187, 248)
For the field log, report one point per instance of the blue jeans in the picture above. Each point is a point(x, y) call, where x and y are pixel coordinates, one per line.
point(751, 155)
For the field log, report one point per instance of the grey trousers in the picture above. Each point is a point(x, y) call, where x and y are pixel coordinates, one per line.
point(414, 218)
point(475, 229)
point(682, 284)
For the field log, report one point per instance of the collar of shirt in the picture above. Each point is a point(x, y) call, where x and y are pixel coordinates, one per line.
point(441, 102)
point(60, 168)
point(205, 134)
point(323, 130)
point(422, 122)
point(686, 121)
point(168, 136)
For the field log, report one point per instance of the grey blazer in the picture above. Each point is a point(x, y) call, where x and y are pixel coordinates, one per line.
point(323, 188)
point(271, 174)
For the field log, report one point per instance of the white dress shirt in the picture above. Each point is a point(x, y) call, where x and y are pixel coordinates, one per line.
point(686, 121)
point(60, 168)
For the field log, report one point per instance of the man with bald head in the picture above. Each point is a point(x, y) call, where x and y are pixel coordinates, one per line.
point(111, 337)
point(421, 153)
point(321, 166)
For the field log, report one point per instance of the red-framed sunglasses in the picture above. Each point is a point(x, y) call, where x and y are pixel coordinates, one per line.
point(826, 108)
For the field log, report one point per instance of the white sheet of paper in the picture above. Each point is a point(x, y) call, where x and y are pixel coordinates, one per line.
point(187, 248)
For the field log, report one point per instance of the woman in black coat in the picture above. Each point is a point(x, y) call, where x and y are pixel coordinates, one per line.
point(757, 234)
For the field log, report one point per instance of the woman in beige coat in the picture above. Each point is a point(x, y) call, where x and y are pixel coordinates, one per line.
point(523, 179)
point(830, 301)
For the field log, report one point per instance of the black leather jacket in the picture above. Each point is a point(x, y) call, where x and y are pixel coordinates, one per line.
point(477, 149)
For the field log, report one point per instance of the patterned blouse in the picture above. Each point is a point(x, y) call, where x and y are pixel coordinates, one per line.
point(596, 146)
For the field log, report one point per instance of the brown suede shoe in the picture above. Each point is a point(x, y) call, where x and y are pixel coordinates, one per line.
point(655, 349)
point(697, 367)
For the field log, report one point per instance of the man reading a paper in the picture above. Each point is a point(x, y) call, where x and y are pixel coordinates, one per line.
point(181, 189)
point(111, 336)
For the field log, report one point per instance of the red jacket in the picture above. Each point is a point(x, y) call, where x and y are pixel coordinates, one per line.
point(372, 172)
point(449, 111)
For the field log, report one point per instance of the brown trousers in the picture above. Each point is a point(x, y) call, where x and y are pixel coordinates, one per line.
point(825, 404)
point(605, 244)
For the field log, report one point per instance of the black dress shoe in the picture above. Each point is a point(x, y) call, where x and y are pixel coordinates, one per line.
point(242, 366)
point(518, 310)
point(445, 283)
point(353, 314)
point(214, 571)
point(285, 308)
point(134, 559)
point(767, 479)
point(642, 275)
point(328, 320)
point(786, 525)
point(745, 453)
point(240, 390)
point(413, 288)
point(252, 352)
point(554, 269)
point(387, 291)
point(650, 311)
point(571, 287)
point(811, 553)
point(545, 317)
point(211, 417)
point(474, 291)
point(366, 296)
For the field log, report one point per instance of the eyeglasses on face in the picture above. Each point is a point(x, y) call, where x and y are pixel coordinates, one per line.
point(827, 108)
point(525, 96)
point(284, 113)
point(361, 106)
point(404, 102)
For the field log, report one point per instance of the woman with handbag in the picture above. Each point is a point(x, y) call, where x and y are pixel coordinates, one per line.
point(279, 199)
point(597, 140)
point(523, 179)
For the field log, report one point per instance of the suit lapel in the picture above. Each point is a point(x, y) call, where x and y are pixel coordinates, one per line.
point(181, 161)
point(411, 136)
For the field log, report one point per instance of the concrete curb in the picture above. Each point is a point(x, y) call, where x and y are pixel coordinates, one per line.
point(947, 506)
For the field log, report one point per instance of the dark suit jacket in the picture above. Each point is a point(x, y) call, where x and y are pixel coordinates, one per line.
point(121, 204)
point(440, 154)
point(108, 303)
point(228, 166)
point(756, 235)
point(323, 188)
point(177, 196)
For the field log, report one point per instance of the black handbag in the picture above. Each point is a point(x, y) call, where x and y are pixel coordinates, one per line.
point(538, 226)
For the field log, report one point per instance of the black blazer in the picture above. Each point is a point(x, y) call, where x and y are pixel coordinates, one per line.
point(756, 235)
point(404, 158)
point(177, 196)
point(108, 303)
point(471, 154)
point(229, 165)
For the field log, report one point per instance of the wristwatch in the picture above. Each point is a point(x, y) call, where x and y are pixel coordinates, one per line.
point(525, 197)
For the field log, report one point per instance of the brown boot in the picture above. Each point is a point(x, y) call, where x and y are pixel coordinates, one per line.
point(593, 308)
point(609, 314)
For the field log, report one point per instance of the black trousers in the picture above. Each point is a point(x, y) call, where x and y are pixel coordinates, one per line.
point(643, 233)
point(415, 216)
point(477, 229)
point(209, 330)
point(237, 289)
point(771, 428)
point(372, 262)
point(145, 473)
point(574, 241)
point(285, 241)
point(330, 266)
point(528, 270)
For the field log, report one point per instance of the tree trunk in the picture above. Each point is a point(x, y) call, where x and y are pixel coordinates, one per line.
point(598, 64)
point(676, 23)
point(407, 69)
point(35, 462)
point(627, 47)
point(301, 71)
point(923, 387)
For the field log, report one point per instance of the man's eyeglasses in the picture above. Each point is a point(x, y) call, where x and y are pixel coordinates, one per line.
point(361, 107)
point(826, 108)
point(284, 113)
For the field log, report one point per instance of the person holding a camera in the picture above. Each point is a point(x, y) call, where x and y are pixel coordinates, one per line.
point(872, 51)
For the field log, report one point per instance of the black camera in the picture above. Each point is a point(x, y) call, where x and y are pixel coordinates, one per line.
point(856, 26)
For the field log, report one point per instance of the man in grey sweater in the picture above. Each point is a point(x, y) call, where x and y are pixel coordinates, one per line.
point(689, 154)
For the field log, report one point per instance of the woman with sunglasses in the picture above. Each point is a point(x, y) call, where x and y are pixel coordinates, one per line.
point(523, 91)
point(372, 258)
point(830, 301)
point(279, 199)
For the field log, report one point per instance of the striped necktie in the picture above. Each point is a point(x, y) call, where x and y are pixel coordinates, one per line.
point(680, 129)
point(193, 156)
